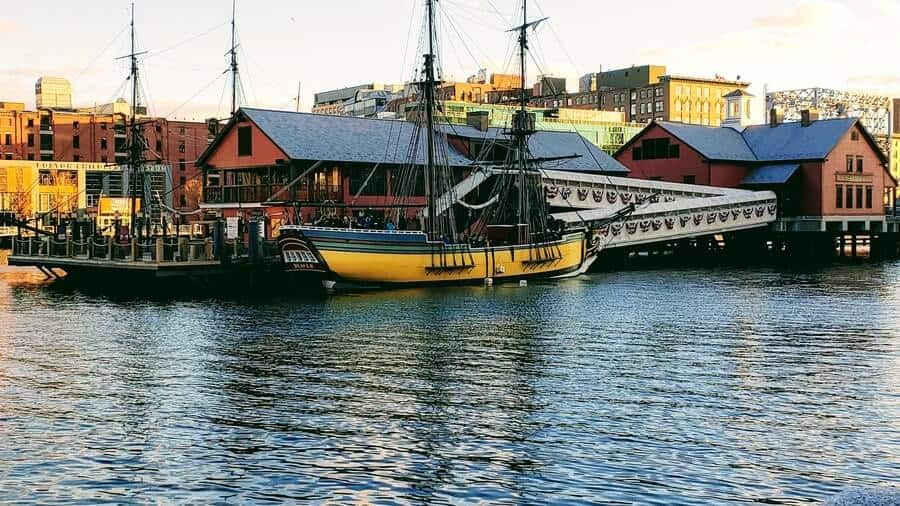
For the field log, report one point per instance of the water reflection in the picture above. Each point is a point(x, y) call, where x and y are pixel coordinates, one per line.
point(673, 386)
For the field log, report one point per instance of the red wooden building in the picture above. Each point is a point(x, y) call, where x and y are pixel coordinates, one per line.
point(267, 163)
point(827, 173)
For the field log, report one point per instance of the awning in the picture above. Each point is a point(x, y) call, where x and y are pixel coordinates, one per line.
point(771, 174)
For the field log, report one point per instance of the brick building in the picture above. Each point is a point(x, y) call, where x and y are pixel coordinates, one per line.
point(828, 174)
point(98, 137)
point(647, 93)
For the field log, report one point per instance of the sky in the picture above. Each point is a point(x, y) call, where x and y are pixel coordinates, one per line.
point(320, 45)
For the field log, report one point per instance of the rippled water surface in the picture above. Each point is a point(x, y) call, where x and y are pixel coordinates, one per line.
point(668, 386)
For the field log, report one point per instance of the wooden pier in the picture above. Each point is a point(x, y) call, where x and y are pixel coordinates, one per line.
point(170, 261)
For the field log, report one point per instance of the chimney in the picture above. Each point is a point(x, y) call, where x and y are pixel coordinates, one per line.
point(808, 116)
point(478, 120)
point(776, 116)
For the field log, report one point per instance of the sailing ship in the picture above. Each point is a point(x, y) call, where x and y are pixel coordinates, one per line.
point(510, 237)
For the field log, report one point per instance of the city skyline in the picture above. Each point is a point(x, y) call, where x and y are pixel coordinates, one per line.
point(828, 43)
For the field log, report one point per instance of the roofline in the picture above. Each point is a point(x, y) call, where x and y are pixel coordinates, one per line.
point(704, 80)
point(201, 162)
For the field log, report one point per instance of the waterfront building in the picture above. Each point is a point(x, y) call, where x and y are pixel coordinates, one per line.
point(46, 191)
point(828, 174)
point(880, 114)
point(93, 136)
point(264, 163)
point(607, 130)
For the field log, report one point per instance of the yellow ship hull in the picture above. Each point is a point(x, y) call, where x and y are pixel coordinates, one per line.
point(381, 258)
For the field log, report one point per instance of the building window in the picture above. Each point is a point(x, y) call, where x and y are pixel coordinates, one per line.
point(103, 159)
point(659, 106)
point(659, 92)
point(658, 149)
point(76, 142)
point(854, 135)
point(859, 164)
point(30, 122)
point(690, 179)
point(182, 200)
point(7, 139)
point(633, 95)
point(181, 165)
point(859, 197)
point(181, 147)
point(643, 108)
point(839, 196)
point(637, 154)
point(46, 157)
point(76, 158)
point(181, 130)
point(103, 143)
point(75, 125)
point(245, 146)
point(182, 181)
point(849, 202)
point(9, 156)
point(159, 145)
point(30, 140)
point(102, 126)
point(868, 197)
point(31, 156)
point(849, 163)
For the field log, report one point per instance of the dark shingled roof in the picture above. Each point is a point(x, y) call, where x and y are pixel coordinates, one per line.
point(714, 143)
point(553, 144)
point(793, 141)
point(764, 143)
point(304, 136)
point(771, 174)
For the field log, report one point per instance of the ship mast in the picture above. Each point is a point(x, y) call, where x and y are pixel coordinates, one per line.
point(522, 127)
point(428, 86)
point(234, 63)
point(136, 152)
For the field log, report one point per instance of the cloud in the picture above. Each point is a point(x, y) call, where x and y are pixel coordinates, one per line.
point(890, 8)
point(796, 47)
point(8, 28)
point(880, 83)
point(806, 15)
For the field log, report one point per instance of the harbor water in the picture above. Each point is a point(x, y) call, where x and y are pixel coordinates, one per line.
point(681, 386)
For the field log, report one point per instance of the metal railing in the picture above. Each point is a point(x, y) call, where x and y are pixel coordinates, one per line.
point(157, 250)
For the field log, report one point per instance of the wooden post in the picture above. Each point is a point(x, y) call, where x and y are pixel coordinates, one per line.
point(134, 249)
point(209, 249)
point(853, 239)
point(192, 252)
point(68, 247)
point(110, 243)
point(90, 247)
point(160, 250)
